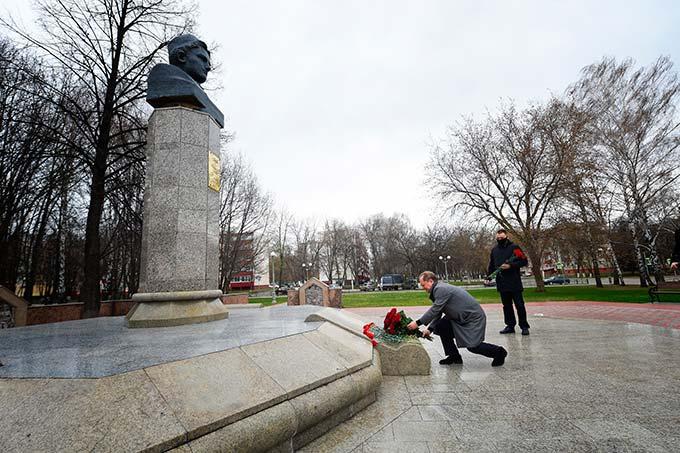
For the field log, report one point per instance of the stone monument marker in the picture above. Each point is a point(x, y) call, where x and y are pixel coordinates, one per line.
point(180, 235)
point(316, 292)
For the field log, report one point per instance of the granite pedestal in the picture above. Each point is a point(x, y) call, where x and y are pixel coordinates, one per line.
point(259, 381)
point(180, 236)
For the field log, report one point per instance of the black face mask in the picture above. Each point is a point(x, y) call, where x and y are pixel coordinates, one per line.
point(502, 241)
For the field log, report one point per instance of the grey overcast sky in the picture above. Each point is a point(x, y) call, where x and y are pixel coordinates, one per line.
point(334, 102)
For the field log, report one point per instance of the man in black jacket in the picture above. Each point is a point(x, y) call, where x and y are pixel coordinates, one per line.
point(510, 259)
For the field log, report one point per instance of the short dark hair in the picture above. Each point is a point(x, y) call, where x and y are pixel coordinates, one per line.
point(428, 275)
point(174, 52)
point(501, 230)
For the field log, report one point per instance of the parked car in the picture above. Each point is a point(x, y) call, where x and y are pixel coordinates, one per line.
point(282, 290)
point(367, 286)
point(410, 283)
point(556, 280)
point(391, 281)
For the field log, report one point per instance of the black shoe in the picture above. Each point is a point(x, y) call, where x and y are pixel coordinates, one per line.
point(525, 331)
point(500, 359)
point(451, 359)
point(508, 329)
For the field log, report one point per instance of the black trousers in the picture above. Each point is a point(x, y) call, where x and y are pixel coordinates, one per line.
point(507, 297)
point(443, 328)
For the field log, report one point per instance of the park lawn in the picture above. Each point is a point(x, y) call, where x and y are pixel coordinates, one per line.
point(267, 301)
point(490, 295)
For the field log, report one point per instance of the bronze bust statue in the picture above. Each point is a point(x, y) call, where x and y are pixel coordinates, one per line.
point(179, 83)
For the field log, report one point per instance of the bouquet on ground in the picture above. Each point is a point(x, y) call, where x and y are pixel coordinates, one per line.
point(394, 329)
point(517, 255)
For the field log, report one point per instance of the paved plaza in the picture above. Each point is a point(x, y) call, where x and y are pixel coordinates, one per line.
point(590, 377)
point(574, 385)
point(105, 346)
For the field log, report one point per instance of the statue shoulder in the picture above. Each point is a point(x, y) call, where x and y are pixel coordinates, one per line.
point(167, 71)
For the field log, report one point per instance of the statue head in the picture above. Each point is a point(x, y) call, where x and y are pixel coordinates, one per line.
point(191, 55)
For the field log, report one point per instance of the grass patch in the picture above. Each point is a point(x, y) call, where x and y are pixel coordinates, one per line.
point(267, 301)
point(490, 295)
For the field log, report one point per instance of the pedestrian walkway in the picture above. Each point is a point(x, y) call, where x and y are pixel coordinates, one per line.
point(660, 315)
point(582, 381)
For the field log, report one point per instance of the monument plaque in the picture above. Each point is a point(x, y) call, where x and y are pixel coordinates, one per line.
point(314, 295)
point(214, 169)
point(180, 234)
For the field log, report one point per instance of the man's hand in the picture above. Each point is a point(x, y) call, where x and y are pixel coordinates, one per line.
point(674, 266)
point(412, 325)
point(505, 266)
point(427, 333)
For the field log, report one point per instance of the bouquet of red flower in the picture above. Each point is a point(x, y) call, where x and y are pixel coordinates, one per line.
point(394, 329)
point(517, 255)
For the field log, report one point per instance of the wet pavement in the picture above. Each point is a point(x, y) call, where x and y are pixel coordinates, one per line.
point(105, 346)
point(573, 385)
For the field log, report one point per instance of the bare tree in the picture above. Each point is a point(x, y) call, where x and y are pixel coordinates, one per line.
point(32, 164)
point(108, 47)
point(510, 168)
point(334, 238)
point(306, 250)
point(373, 230)
point(245, 219)
point(281, 238)
point(355, 255)
point(635, 122)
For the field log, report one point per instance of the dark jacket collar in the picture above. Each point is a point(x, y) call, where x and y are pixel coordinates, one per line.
point(432, 291)
point(504, 244)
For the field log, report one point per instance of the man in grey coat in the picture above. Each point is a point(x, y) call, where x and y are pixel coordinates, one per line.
point(456, 315)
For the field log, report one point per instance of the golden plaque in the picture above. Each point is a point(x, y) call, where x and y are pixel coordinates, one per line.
point(214, 172)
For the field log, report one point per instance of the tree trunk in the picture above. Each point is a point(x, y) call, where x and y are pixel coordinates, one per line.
point(91, 294)
point(596, 271)
point(644, 277)
point(535, 258)
point(59, 285)
point(35, 252)
point(651, 244)
point(618, 274)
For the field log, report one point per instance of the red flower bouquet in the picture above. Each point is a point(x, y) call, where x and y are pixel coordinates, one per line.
point(517, 255)
point(394, 329)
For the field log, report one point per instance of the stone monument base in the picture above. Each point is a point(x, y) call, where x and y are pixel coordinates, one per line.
point(408, 358)
point(262, 381)
point(176, 308)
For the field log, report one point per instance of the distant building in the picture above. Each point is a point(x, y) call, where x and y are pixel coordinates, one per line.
point(249, 271)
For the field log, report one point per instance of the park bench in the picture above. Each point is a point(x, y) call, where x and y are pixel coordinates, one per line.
point(665, 288)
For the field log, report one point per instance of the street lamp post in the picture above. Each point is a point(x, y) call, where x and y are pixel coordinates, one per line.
point(307, 267)
point(273, 281)
point(446, 269)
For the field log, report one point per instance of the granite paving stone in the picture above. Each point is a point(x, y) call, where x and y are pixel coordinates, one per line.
point(613, 428)
point(460, 446)
point(217, 389)
point(407, 430)
point(575, 385)
point(91, 415)
point(105, 346)
point(562, 445)
point(557, 392)
point(395, 447)
point(287, 362)
point(336, 340)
